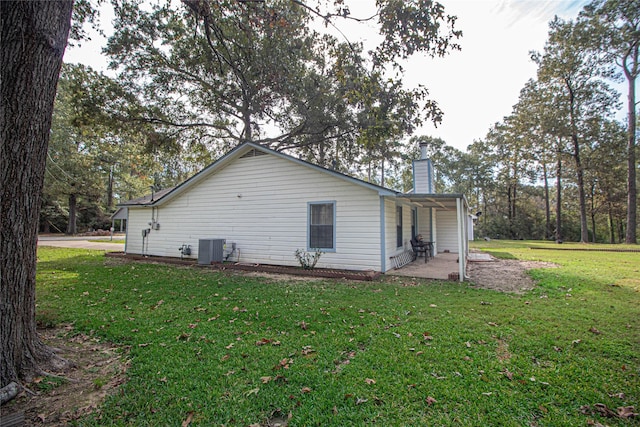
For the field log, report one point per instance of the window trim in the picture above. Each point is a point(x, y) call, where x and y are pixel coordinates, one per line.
point(309, 208)
point(414, 222)
point(399, 227)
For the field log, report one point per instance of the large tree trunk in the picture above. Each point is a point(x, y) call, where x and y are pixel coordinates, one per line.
point(559, 197)
point(584, 232)
point(612, 230)
point(547, 206)
point(110, 190)
point(632, 192)
point(34, 36)
point(73, 215)
point(593, 226)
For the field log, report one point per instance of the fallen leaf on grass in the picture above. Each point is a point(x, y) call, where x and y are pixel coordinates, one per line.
point(188, 420)
point(627, 412)
point(360, 401)
point(370, 381)
point(304, 325)
point(593, 330)
point(305, 390)
point(430, 400)
point(507, 374)
point(306, 350)
point(492, 324)
point(183, 337)
point(283, 364)
point(263, 341)
point(624, 412)
point(265, 380)
point(252, 392)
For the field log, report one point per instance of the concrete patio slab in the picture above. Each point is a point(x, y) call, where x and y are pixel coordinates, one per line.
point(437, 268)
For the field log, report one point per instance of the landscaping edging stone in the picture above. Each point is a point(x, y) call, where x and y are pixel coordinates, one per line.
point(366, 275)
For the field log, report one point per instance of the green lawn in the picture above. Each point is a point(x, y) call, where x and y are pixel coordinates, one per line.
point(117, 240)
point(223, 349)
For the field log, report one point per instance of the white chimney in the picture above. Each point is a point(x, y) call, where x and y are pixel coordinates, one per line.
point(423, 182)
point(423, 150)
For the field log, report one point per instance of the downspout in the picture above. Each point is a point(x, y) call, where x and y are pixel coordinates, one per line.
point(431, 227)
point(461, 250)
point(383, 240)
point(126, 236)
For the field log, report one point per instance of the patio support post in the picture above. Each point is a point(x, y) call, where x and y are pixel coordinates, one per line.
point(461, 248)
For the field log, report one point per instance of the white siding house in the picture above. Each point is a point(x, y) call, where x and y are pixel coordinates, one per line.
point(270, 204)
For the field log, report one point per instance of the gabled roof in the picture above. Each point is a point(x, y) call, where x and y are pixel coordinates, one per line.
point(162, 196)
point(120, 213)
point(148, 199)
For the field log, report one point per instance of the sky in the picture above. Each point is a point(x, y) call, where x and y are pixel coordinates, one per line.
point(475, 87)
point(478, 86)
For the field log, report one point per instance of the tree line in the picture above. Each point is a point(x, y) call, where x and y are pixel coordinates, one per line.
point(562, 166)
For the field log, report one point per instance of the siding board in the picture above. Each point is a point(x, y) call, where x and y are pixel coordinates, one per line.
point(260, 203)
point(447, 231)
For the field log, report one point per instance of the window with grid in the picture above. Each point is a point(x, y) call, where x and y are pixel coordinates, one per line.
point(414, 223)
point(322, 225)
point(399, 239)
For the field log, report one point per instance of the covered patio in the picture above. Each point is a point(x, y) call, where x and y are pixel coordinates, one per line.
point(440, 267)
point(443, 220)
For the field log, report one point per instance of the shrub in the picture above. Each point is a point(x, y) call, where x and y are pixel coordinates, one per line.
point(307, 260)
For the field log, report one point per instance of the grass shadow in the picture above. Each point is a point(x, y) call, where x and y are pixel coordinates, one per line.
point(501, 254)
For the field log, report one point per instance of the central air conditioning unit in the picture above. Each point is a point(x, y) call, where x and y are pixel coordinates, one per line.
point(210, 250)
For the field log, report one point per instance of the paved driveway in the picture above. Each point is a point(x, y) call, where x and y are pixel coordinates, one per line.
point(81, 242)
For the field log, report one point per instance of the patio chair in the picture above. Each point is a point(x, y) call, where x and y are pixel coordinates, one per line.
point(419, 249)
